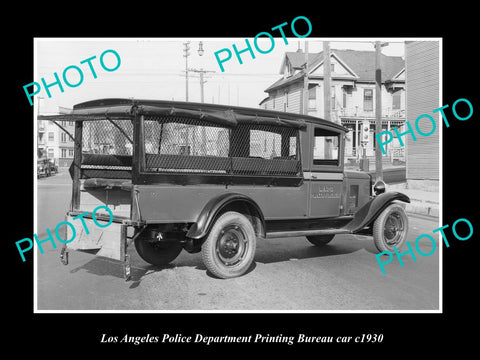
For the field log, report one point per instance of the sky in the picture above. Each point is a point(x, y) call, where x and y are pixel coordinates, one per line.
point(154, 68)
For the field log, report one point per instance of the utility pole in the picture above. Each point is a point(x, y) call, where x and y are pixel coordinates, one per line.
point(305, 81)
point(327, 81)
point(202, 99)
point(378, 108)
point(202, 81)
point(185, 55)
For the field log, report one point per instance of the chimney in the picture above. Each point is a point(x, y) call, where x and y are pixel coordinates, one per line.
point(299, 50)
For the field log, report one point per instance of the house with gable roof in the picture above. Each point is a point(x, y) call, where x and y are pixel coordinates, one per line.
point(352, 94)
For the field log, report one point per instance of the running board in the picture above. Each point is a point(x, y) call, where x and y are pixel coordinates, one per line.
point(282, 234)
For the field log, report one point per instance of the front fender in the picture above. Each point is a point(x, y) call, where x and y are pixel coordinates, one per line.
point(208, 214)
point(369, 212)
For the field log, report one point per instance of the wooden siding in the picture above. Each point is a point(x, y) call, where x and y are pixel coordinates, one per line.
point(295, 98)
point(422, 96)
point(277, 99)
point(354, 99)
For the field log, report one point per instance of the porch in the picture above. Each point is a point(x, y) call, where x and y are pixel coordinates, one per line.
point(354, 149)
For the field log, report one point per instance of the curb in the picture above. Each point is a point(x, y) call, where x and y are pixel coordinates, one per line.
point(422, 209)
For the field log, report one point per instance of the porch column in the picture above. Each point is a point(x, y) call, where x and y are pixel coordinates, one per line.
point(388, 145)
point(357, 138)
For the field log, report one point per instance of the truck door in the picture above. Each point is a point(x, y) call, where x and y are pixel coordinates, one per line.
point(325, 177)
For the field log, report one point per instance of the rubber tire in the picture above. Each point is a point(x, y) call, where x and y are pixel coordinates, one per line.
point(210, 256)
point(379, 227)
point(159, 253)
point(320, 240)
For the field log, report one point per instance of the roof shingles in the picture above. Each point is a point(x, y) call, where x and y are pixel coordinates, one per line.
point(362, 63)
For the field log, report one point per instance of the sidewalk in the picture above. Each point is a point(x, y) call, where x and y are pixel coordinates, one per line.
point(421, 202)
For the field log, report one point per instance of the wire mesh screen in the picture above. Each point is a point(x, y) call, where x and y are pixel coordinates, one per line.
point(180, 136)
point(107, 148)
point(107, 137)
point(179, 144)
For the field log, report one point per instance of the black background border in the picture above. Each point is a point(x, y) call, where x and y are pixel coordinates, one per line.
point(80, 334)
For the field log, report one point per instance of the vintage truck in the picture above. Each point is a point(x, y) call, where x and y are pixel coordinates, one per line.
point(214, 179)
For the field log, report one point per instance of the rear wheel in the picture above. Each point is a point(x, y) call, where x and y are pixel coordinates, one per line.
point(158, 253)
point(320, 240)
point(390, 228)
point(229, 248)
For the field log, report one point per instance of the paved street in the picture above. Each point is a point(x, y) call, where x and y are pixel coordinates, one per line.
point(288, 274)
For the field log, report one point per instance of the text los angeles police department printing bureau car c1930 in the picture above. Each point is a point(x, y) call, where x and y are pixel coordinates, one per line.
point(214, 178)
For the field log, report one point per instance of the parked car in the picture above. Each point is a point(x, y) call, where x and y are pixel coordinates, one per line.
point(52, 166)
point(43, 168)
point(214, 179)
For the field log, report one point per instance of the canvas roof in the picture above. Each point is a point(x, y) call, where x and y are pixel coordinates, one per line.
point(121, 109)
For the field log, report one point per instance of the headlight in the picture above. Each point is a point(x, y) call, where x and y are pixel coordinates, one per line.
point(379, 187)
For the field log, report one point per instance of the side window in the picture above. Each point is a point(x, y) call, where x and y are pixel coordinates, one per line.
point(181, 144)
point(325, 148)
point(273, 143)
point(264, 144)
point(188, 138)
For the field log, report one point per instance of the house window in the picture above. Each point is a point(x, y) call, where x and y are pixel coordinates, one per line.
point(64, 153)
point(51, 136)
point(285, 101)
point(312, 97)
point(70, 153)
point(332, 105)
point(344, 99)
point(396, 100)
point(332, 67)
point(63, 137)
point(368, 99)
point(273, 101)
point(50, 153)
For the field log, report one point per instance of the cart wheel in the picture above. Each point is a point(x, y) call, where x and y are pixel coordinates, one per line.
point(390, 228)
point(320, 240)
point(229, 248)
point(158, 253)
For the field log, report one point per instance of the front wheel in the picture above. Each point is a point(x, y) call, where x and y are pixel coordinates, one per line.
point(229, 248)
point(390, 228)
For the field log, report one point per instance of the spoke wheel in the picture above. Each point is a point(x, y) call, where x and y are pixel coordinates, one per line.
point(390, 228)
